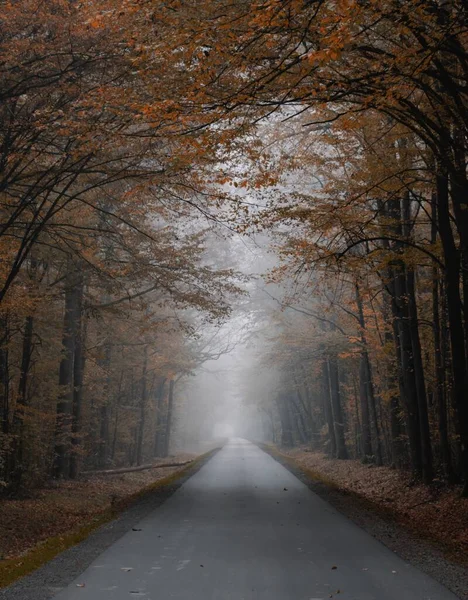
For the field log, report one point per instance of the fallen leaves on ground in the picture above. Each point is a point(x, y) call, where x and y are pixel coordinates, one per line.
point(62, 507)
point(438, 512)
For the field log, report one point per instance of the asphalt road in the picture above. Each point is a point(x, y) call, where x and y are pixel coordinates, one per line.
point(245, 528)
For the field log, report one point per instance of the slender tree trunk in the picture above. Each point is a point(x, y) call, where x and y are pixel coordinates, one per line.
point(424, 432)
point(17, 454)
point(403, 339)
point(79, 361)
point(366, 443)
point(170, 412)
point(65, 401)
point(337, 412)
point(4, 378)
point(420, 385)
point(365, 385)
point(439, 367)
point(328, 407)
point(116, 418)
point(286, 425)
point(158, 433)
point(303, 411)
point(311, 401)
point(394, 382)
point(104, 412)
point(143, 399)
point(373, 408)
point(357, 421)
point(298, 421)
point(459, 194)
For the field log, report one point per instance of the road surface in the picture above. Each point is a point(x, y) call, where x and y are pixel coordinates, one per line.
point(245, 528)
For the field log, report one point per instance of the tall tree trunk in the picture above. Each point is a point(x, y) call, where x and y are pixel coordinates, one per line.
point(4, 378)
point(143, 400)
point(17, 458)
point(116, 418)
point(298, 421)
point(366, 443)
point(423, 417)
point(454, 308)
point(170, 413)
point(79, 362)
point(104, 412)
point(424, 432)
point(66, 382)
point(396, 285)
point(303, 410)
point(373, 407)
point(439, 367)
point(394, 382)
point(159, 419)
point(337, 412)
point(287, 439)
point(365, 386)
point(328, 406)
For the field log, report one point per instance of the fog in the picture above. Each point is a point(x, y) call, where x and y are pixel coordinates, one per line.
point(215, 401)
point(236, 395)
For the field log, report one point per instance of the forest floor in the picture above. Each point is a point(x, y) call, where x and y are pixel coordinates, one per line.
point(62, 507)
point(426, 525)
point(437, 512)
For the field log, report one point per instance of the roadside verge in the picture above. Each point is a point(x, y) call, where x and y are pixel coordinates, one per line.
point(445, 562)
point(48, 567)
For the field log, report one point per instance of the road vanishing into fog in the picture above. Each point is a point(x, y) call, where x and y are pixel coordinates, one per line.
point(244, 528)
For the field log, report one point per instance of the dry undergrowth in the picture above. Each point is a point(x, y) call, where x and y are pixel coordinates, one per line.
point(64, 507)
point(437, 512)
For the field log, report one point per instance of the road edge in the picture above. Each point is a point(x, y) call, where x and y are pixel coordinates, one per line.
point(381, 524)
point(54, 566)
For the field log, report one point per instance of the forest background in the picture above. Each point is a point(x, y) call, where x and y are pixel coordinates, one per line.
point(138, 139)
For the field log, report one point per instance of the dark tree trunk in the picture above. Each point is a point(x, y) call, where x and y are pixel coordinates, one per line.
point(403, 339)
point(298, 421)
point(66, 382)
point(170, 412)
point(357, 421)
point(373, 407)
point(424, 432)
point(455, 314)
point(328, 407)
point(287, 439)
point(17, 455)
point(440, 398)
point(143, 400)
point(104, 412)
point(159, 419)
point(365, 385)
point(26, 356)
point(303, 413)
point(459, 194)
point(116, 418)
point(311, 401)
point(394, 382)
point(4, 378)
point(78, 379)
point(337, 412)
point(366, 444)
